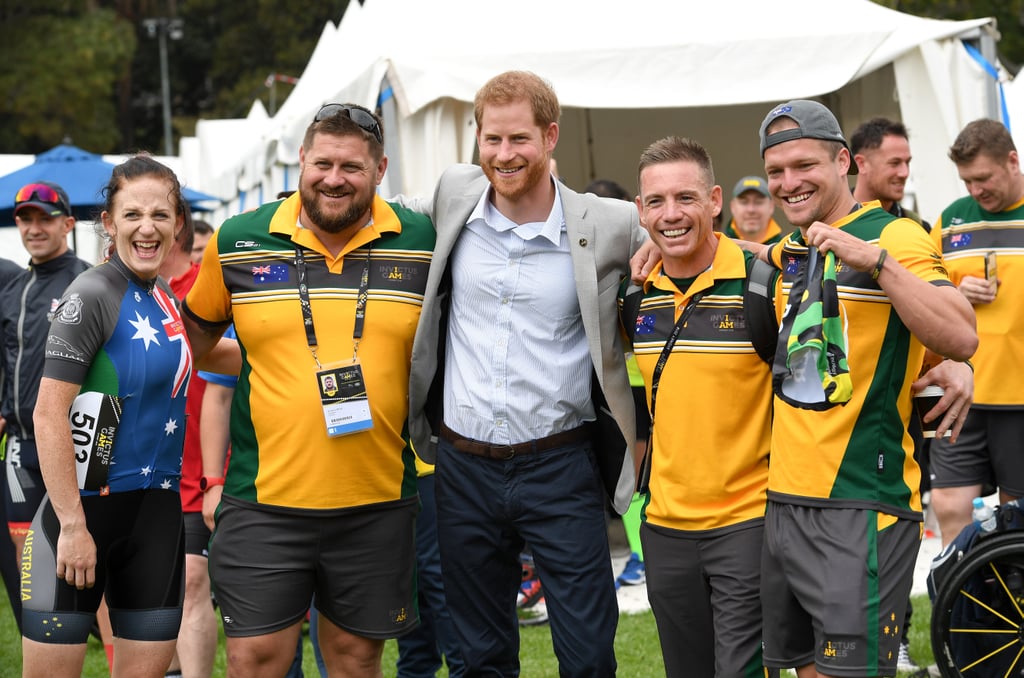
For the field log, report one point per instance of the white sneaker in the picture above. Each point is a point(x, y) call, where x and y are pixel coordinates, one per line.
point(903, 660)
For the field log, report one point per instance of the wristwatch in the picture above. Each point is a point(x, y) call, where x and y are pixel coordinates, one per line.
point(206, 482)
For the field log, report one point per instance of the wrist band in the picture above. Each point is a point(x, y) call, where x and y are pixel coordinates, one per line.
point(965, 362)
point(877, 271)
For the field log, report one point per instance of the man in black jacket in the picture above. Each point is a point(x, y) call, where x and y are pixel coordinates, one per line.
point(43, 216)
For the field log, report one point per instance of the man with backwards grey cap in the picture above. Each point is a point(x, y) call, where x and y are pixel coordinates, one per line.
point(752, 212)
point(868, 302)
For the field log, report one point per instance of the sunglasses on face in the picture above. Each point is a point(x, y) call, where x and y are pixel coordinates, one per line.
point(356, 114)
point(42, 193)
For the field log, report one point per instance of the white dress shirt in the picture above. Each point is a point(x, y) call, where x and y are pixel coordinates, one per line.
point(517, 367)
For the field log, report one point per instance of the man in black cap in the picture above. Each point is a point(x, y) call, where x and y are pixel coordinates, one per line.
point(42, 213)
point(868, 296)
point(753, 212)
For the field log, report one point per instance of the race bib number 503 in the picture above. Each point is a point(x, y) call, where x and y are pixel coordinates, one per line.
point(94, 419)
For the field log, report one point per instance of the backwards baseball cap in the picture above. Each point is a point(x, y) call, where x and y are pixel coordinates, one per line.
point(813, 120)
point(48, 197)
point(751, 183)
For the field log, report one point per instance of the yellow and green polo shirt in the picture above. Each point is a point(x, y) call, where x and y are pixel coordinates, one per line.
point(965, 233)
point(709, 464)
point(858, 455)
point(281, 454)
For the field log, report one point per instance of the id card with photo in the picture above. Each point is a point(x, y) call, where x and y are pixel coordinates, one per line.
point(344, 400)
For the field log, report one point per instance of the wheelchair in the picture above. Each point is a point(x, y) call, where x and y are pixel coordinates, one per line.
point(977, 589)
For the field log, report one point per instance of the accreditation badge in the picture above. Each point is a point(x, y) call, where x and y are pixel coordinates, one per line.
point(343, 398)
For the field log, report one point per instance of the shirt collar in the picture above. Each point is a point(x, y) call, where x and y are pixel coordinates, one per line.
point(549, 229)
point(285, 221)
point(729, 262)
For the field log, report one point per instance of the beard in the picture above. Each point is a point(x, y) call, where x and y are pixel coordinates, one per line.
point(334, 223)
point(513, 190)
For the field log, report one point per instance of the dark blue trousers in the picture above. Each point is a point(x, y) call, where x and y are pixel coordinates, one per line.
point(421, 650)
point(486, 510)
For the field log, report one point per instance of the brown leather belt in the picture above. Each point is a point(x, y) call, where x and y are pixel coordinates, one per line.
point(475, 447)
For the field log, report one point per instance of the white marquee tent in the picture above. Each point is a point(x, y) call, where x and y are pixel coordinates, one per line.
point(1014, 92)
point(627, 74)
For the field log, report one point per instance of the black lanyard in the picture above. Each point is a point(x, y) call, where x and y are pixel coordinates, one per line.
point(307, 310)
point(669, 345)
point(643, 481)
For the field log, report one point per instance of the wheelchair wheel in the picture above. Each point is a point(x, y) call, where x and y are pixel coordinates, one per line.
point(978, 616)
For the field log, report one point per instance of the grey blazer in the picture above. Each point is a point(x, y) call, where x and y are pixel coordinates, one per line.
point(603, 234)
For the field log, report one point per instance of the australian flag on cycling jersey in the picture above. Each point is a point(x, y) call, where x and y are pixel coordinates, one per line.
point(128, 422)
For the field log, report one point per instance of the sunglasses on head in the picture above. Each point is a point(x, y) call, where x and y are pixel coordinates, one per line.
point(42, 193)
point(357, 114)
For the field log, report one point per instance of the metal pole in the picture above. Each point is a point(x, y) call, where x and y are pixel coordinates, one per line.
point(166, 87)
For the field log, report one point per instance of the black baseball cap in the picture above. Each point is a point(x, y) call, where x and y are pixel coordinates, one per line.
point(47, 196)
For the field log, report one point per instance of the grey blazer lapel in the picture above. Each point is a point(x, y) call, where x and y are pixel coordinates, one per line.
point(579, 230)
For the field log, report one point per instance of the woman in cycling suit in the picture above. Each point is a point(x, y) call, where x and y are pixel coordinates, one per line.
point(110, 422)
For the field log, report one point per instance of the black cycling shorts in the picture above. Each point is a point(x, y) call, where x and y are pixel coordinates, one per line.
point(140, 550)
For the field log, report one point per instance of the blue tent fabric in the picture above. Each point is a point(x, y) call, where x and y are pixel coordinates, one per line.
point(82, 174)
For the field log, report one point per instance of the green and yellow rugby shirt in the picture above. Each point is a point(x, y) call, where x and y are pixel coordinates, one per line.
point(858, 455)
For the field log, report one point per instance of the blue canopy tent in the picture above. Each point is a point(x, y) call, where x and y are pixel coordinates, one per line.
point(82, 174)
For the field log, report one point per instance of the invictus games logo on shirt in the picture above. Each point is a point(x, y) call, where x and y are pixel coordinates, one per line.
point(393, 272)
point(728, 322)
point(838, 649)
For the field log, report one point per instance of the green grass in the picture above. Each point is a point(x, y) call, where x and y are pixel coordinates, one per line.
point(636, 648)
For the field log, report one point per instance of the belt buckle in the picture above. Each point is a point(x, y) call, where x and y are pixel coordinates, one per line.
point(509, 451)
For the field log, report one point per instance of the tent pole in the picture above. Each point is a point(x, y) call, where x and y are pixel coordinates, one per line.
point(591, 173)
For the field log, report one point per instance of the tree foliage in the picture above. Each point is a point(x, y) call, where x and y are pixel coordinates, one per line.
point(1009, 15)
point(88, 70)
point(60, 72)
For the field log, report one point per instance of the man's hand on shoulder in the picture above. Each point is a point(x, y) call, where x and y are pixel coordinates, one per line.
point(643, 262)
point(759, 250)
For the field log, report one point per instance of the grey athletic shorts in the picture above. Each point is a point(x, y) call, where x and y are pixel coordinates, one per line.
point(266, 565)
point(987, 453)
point(834, 588)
